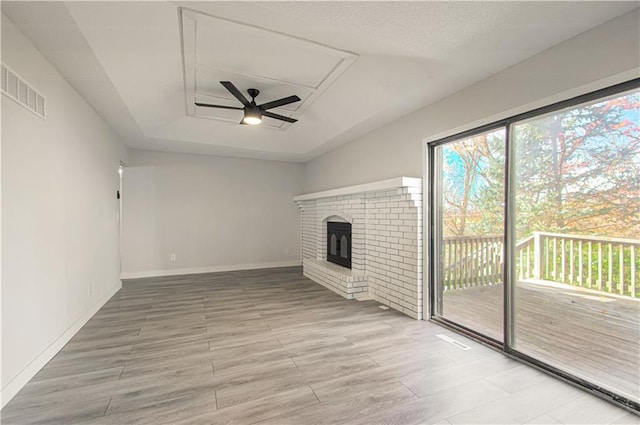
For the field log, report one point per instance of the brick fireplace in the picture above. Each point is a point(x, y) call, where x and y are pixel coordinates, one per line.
point(385, 245)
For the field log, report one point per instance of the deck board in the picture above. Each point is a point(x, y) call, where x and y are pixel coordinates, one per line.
point(596, 337)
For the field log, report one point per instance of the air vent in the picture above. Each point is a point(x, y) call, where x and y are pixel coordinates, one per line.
point(454, 342)
point(18, 90)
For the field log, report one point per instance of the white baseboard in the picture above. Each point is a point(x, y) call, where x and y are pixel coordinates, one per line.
point(25, 375)
point(210, 269)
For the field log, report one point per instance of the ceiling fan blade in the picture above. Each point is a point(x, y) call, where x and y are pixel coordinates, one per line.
point(235, 92)
point(218, 106)
point(278, 117)
point(279, 102)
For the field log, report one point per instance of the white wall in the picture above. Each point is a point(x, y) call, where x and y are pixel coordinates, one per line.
point(60, 241)
point(213, 213)
point(603, 56)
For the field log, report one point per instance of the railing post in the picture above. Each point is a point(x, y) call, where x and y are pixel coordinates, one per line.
point(538, 258)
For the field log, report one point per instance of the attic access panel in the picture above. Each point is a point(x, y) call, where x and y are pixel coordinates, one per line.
point(279, 65)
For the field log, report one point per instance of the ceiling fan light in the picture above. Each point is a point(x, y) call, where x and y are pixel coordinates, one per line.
point(251, 120)
point(252, 117)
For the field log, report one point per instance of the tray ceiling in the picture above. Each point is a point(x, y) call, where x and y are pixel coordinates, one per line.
point(279, 65)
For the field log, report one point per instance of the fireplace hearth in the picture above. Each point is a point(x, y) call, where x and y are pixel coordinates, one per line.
point(339, 243)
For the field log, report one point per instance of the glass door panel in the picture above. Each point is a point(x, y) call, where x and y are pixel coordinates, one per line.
point(468, 231)
point(577, 243)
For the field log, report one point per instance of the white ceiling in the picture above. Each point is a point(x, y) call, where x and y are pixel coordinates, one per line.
point(356, 65)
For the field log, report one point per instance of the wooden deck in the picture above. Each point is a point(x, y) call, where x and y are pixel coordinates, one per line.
point(594, 336)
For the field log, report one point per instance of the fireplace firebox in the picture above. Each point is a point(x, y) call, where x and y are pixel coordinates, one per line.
point(339, 243)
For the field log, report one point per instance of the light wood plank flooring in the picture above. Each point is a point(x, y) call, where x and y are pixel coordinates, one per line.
point(272, 347)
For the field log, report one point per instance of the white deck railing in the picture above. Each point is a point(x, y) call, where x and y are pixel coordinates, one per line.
point(472, 261)
point(605, 264)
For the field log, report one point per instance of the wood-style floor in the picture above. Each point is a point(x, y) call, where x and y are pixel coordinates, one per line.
point(272, 347)
point(595, 336)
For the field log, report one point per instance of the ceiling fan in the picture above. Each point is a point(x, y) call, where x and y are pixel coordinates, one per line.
point(253, 113)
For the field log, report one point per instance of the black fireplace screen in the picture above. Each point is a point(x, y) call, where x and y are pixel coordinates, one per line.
point(339, 243)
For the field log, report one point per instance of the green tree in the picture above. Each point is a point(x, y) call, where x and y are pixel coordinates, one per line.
point(578, 170)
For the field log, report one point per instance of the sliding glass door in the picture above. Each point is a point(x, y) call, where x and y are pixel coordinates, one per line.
point(469, 194)
point(535, 237)
point(577, 230)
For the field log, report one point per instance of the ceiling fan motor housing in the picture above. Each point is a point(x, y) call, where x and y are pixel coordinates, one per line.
point(252, 110)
